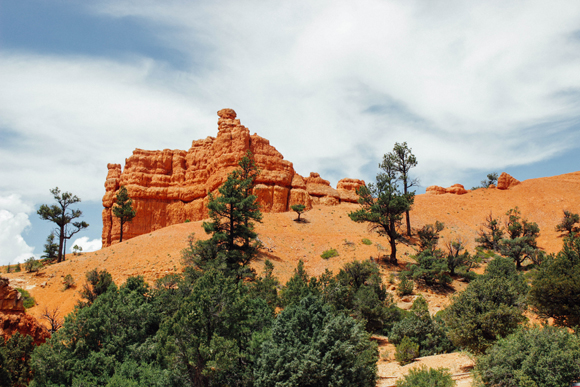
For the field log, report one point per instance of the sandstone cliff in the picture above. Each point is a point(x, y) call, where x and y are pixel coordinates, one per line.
point(171, 186)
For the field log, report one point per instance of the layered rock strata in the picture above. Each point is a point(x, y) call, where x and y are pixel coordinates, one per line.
point(456, 189)
point(13, 317)
point(171, 186)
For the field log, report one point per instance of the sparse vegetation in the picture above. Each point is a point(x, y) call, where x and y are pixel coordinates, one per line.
point(299, 209)
point(423, 377)
point(405, 286)
point(28, 300)
point(77, 250)
point(68, 281)
point(366, 241)
point(568, 223)
point(407, 351)
point(123, 208)
point(32, 265)
point(329, 254)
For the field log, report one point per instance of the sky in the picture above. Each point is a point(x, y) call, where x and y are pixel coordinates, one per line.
point(473, 87)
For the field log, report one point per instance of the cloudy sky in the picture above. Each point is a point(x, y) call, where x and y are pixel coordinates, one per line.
point(471, 86)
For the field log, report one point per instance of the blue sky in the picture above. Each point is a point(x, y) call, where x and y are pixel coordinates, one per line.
point(473, 87)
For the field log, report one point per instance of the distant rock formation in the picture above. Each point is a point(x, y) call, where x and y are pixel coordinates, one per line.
point(13, 317)
point(456, 189)
point(506, 181)
point(171, 186)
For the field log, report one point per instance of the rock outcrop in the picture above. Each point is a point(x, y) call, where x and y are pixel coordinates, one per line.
point(171, 186)
point(456, 189)
point(506, 181)
point(13, 317)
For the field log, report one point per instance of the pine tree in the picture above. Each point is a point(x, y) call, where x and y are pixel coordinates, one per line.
point(123, 208)
point(383, 206)
point(401, 160)
point(50, 248)
point(233, 241)
point(63, 217)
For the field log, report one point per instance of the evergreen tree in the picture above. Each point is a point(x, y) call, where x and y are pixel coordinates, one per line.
point(490, 234)
point(383, 206)
point(568, 223)
point(123, 208)
point(401, 159)
point(50, 248)
point(522, 234)
point(299, 209)
point(233, 241)
point(63, 217)
point(555, 291)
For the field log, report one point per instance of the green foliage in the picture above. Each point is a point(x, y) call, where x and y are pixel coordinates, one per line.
point(539, 357)
point(311, 346)
point(28, 299)
point(329, 253)
point(405, 286)
point(96, 340)
point(491, 179)
point(50, 248)
point(401, 160)
point(233, 241)
point(383, 205)
point(123, 208)
point(423, 377)
point(298, 287)
point(63, 217)
point(428, 333)
point(490, 234)
point(98, 282)
point(17, 268)
point(429, 236)
point(77, 250)
point(521, 241)
point(299, 209)
point(32, 265)
point(555, 291)
point(8, 269)
point(266, 287)
point(459, 261)
point(568, 223)
point(366, 241)
point(68, 281)
point(431, 268)
point(215, 335)
point(407, 351)
point(492, 306)
point(15, 353)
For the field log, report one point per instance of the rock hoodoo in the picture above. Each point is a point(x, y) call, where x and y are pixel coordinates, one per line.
point(456, 189)
point(171, 186)
point(506, 181)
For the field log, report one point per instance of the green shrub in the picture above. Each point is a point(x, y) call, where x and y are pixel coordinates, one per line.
point(18, 268)
point(538, 357)
point(329, 253)
point(407, 351)
point(28, 300)
point(431, 268)
point(418, 326)
point(492, 306)
point(8, 269)
point(367, 242)
point(68, 281)
point(187, 220)
point(405, 286)
point(423, 377)
point(32, 265)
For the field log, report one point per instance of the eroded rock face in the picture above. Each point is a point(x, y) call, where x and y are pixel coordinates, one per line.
point(506, 181)
point(456, 189)
point(13, 317)
point(171, 186)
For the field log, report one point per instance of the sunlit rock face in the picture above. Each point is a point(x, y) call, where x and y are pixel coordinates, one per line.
point(172, 186)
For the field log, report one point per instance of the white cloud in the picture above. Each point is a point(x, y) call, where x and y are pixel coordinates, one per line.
point(13, 222)
point(469, 85)
point(86, 244)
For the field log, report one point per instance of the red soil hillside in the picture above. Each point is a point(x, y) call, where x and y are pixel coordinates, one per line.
point(156, 254)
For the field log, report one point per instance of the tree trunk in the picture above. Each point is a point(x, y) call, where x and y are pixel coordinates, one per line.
point(407, 218)
point(121, 237)
point(393, 241)
point(60, 244)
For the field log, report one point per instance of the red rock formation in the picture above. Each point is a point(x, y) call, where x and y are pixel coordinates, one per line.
point(456, 189)
point(347, 189)
point(506, 181)
point(13, 317)
point(171, 186)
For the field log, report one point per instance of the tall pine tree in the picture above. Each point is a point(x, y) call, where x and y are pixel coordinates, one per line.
point(123, 208)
